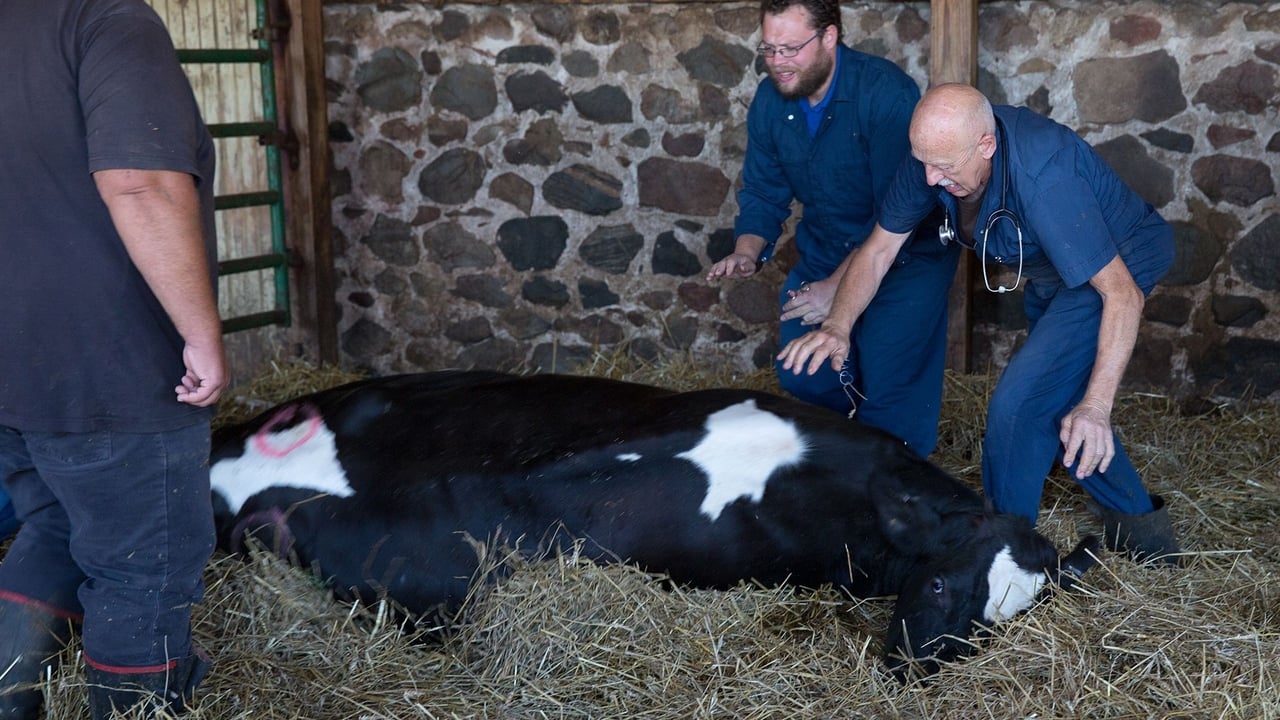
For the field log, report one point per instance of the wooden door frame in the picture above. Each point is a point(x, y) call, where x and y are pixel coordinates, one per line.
point(953, 57)
point(308, 206)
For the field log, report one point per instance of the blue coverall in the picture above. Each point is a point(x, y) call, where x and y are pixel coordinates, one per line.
point(1076, 215)
point(839, 171)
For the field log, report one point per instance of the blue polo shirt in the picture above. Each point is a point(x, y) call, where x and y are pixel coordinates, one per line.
point(813, 113)
point(1075, 213)
point(840, 172)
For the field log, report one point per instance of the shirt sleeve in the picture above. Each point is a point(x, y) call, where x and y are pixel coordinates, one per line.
point(908, 200)
point(1071, 229)
point(139, 110)
point(764, 201)
point(891, 106)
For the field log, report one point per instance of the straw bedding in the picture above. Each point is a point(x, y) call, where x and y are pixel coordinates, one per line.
point(563, 638)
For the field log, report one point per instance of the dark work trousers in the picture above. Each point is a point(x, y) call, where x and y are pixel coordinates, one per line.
point(117, 527)
point(896, 353)
point(1046, 378)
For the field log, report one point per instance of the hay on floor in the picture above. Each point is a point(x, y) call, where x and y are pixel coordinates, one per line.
point(563, 638)
point(280, 380)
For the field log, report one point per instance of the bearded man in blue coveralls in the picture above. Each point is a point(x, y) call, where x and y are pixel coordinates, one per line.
point(828, 127)
point(1027, 192)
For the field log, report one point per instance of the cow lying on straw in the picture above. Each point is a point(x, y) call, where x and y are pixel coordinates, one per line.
point(381, 483)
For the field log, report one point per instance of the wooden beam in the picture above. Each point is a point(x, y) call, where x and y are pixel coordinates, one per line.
point(953, 41)
point(953, 57)
point(307, 206)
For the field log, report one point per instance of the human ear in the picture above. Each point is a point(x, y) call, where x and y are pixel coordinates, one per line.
point(987, 146)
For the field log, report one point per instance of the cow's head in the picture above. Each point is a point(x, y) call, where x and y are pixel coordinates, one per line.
point(974, 586)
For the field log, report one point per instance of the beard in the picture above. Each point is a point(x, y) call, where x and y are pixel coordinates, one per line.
point(807, 79)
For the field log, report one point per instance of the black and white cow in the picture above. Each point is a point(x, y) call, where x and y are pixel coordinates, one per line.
point(379, 482)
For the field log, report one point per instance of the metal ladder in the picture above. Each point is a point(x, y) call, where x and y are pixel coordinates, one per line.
point(272, 139)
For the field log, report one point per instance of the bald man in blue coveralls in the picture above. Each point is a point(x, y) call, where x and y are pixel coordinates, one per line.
point(1026, 192)
point(828, 127)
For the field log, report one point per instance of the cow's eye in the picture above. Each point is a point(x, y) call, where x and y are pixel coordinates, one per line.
point(937, 586)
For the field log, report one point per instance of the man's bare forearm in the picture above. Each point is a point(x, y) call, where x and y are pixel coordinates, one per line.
point(1122, 303)
point(157, 215)
point(861, 273)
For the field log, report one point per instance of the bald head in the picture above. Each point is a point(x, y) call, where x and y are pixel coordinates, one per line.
point(952, 114)
point(953, 134)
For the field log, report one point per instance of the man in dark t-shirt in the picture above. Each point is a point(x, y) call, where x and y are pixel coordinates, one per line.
point(106, 301)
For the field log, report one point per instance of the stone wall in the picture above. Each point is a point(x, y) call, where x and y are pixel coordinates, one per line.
point(518, 185)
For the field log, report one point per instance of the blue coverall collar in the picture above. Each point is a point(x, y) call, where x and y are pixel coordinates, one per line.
point(813, 114)
point(990, 195)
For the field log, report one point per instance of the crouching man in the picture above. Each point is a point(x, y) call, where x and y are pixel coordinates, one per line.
point(1028, 193)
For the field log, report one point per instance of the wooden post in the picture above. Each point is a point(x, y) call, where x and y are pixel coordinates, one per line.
point(308, 206)
point(953, 57)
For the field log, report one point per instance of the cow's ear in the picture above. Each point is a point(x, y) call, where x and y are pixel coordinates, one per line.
point(987, 523)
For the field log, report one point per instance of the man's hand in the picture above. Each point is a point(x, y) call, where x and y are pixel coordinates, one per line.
point(736, 265)
point(206, 375)
point(1086, 431)
point(811, 303)
point(815, 347)
point(852, 286)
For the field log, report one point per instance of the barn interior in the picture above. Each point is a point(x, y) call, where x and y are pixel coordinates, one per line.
point(534, 187)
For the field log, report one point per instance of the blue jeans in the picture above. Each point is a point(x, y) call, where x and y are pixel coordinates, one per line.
point(1046, 378)
point(116, 527)
point(897, 352)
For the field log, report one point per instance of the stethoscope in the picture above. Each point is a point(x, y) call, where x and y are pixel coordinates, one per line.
point(947, 234)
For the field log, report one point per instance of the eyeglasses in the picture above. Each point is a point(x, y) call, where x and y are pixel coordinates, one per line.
point(786, 51)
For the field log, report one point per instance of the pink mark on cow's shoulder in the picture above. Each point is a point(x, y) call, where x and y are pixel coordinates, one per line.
point(262, 438)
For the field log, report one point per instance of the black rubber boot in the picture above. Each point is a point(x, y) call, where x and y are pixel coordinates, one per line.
point(170, 690)
point(1148, 537)
point(31, 639)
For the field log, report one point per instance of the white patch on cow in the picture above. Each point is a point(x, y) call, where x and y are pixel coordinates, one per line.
point(1012, 589)
point(303, 456)
point(742, 448)
point(629, 457)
